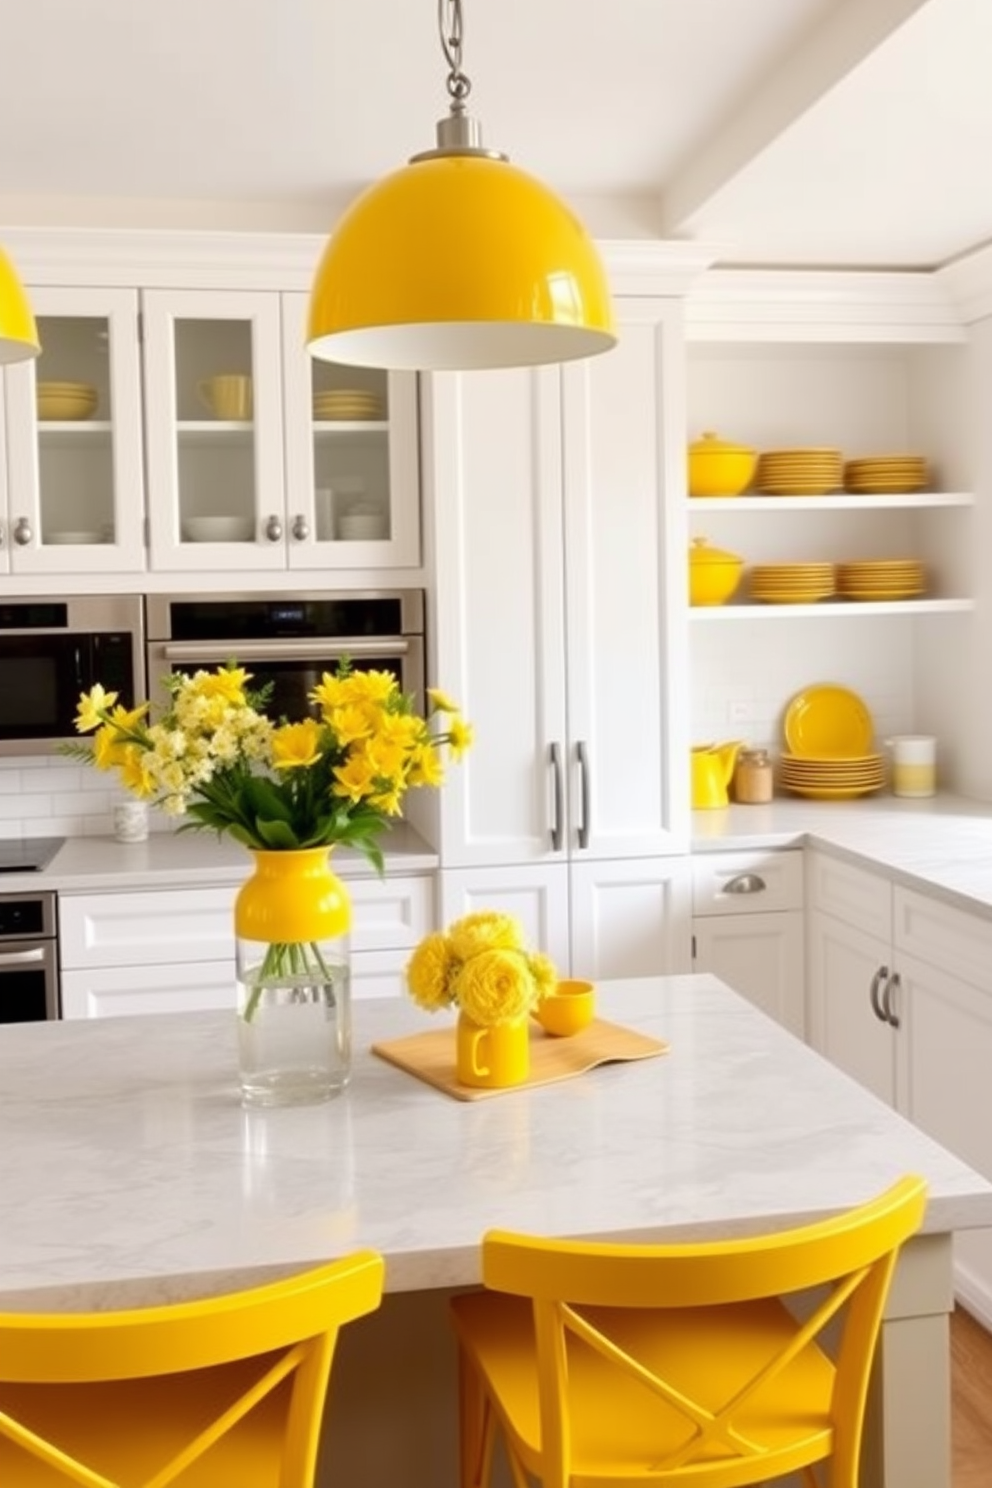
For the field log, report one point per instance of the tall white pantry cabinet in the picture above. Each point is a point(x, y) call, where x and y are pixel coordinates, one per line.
point(558, 625)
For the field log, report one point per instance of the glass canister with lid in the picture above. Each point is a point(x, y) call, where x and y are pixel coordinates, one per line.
point(754, 780)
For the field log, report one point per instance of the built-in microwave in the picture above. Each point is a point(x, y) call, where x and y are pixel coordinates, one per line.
point(51, 650)
point(288, 641)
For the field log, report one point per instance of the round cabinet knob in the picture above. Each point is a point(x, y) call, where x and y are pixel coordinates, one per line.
point(273, 529)
point(301, 528)
point(22, 532)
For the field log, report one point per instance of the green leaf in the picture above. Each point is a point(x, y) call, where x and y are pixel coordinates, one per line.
point(276, 833)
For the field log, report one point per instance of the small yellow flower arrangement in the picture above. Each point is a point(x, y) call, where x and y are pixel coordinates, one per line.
point(481, 966)
point(216, 759)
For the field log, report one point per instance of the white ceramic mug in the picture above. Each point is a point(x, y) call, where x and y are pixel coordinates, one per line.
point(914, 764)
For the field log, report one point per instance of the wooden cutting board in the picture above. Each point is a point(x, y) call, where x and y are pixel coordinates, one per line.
point(431, 1056)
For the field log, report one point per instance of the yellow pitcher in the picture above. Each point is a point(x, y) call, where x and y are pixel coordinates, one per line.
point(712, 769)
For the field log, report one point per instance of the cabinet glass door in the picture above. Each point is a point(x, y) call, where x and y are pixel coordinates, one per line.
point(214, 429)
point(351, 459)
point(76, 492)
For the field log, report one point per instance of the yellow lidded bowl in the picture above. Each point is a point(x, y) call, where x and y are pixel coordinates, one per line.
point(713, 573)
point(717, 468)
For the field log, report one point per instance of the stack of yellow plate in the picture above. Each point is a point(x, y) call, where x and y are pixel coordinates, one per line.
point(791, 583)
point(882, 578)
point(884, 475)
point(65, 400)
point(800, 472)
point(356, 404)
point(828, 755)
point(832, 779)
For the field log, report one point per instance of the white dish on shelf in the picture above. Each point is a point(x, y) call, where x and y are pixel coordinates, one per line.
point(361, 526)
point(218, 529)
point(73, 537)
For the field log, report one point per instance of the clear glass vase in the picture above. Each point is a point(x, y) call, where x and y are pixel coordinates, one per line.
point(294, 984)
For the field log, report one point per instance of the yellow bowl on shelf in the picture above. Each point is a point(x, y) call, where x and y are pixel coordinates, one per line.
point(65, 400)
point(717, 468)
point(713, 573)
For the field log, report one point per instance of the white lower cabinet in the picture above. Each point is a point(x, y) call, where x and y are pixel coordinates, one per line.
point(747, 928)
point(172, 950)
point(902, 1000)
point(596, 920)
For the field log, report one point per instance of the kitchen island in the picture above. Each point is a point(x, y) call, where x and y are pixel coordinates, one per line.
point(130, 1173)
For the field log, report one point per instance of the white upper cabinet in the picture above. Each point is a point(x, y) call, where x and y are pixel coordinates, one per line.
point(352, 471)
point(557, 616)
point(75, 487)
point(213, 393)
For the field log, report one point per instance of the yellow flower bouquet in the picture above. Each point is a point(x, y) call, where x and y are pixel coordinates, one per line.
point(215, 758)
point(481, 966)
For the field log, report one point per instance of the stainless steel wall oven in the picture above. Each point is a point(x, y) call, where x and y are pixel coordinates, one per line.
point(29, 961)
point(288, 640)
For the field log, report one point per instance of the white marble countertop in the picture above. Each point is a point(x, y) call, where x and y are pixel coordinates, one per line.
point(183, 859)
point(940, 844)
point(129, 1172)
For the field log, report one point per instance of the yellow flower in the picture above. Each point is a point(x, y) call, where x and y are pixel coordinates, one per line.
point(350, 722)
point(329, 693)
point(126, 720)
point(388, 801)
point(441, 702)
point(486, 930)
point(133, 773)
point(428, 973)
point(460, 737)
point(92, 705)
point(495, 987)
point(296, 746)
point(544, 972)
point(226, 682)
point(355, 778)
point(108, 751)
point(370, 686)
point(425, 767)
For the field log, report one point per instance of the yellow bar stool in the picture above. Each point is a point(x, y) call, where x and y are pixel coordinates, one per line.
point(223, 1392)
point(671, 1365)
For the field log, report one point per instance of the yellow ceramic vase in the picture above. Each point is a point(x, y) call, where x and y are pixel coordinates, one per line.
point(291, 920)
point(492, 1057)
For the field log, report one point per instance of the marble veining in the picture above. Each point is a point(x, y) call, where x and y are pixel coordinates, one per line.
point(130, 1172)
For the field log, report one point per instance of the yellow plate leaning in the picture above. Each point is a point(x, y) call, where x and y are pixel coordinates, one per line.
point(828, 721)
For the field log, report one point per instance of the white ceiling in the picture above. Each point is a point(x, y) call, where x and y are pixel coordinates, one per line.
point(803, 131)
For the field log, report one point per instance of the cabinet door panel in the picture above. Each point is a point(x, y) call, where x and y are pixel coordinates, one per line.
point(760, 955)
point(623, 526)
point(840, 964)
point(164, 926)
point(630, 918)
point(116, 990)
point(493, 444)
point(536, 896)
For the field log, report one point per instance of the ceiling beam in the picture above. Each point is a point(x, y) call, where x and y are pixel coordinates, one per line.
point(848, 34)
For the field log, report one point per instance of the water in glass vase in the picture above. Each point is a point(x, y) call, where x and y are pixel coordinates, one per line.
point(294, 1023)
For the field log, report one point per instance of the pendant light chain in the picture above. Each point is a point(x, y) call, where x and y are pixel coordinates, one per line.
point(452, 30)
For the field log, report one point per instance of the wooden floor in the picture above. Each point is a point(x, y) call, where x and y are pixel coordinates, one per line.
point(971, 1410)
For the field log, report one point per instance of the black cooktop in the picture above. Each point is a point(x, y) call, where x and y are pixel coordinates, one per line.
point(27, 854)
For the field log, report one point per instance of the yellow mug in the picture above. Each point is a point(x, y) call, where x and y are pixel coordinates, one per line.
point(568, 1009)
point(492, 1057)
point(228, 396)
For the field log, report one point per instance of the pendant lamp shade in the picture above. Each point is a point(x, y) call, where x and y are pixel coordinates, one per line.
point(457, 262)
point(18, 332)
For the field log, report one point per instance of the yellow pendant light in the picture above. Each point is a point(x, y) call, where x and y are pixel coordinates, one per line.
point(18, 332)
point(458, 260)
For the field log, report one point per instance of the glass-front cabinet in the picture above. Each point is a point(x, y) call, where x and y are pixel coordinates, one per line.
point(213, 419)
point(74, 500)
point(352, 468)
point(260, 458)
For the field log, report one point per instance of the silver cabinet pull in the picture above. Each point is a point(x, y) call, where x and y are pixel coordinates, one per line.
point(22, 958)
point(554, 759)
point(892, 986)
point(273, 529)
point(22, 532)
point(582, 756)
point(745, 883)
point(881, 975)
point(301, 528)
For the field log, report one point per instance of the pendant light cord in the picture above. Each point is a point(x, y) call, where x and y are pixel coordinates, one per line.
point(452, 30)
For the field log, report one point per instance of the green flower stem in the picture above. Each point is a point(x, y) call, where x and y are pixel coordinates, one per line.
point(288, 959)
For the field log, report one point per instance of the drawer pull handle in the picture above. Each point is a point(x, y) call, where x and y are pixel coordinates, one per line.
point(891, 986)
point(554, 755)
point(745, 883)
point(881, 975)
point(582, 755)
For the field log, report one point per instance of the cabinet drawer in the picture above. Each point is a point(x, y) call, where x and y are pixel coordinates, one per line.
point(390, 913)
point(850, 894)
point(154, 927)
point(950, 939)
point(746, 882)
point(109, 991)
